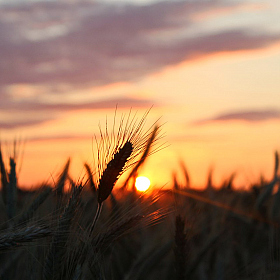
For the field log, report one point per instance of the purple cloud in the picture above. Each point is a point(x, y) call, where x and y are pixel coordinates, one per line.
point(49, 110)
point(18, 123)
point(33, 105)
point(248, 116)
point(52, 43)
point(196, 138)
point(62, 137)
point(60, 46)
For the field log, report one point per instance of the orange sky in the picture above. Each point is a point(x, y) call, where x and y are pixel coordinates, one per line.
point(211, 72)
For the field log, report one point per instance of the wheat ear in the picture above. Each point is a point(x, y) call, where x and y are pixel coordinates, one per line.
point(110, 176)
point(19, 237)
point(113, 171)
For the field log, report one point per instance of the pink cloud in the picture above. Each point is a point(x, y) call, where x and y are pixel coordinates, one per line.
point(247, 116)
point(96, 44)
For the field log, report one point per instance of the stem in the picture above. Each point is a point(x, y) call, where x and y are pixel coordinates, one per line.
point(97, 214)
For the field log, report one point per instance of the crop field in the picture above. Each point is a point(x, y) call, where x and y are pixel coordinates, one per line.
point(88, 229)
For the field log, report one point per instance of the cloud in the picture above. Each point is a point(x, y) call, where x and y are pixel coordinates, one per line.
point(53, 43)
point(33, 105)
point(247, 116)
point(18, 123)
point(62, 137)
point(60, 46)
point(197, 138)
point(49, 110)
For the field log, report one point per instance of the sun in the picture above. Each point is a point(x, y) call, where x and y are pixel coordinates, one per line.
point(142, 183)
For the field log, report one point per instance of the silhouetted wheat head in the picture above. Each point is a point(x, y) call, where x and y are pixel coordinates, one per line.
point(118, 150)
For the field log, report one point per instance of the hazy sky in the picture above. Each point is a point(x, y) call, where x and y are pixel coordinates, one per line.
point(211, 70)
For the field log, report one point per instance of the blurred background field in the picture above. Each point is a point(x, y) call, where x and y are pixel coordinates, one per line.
point(218, 232)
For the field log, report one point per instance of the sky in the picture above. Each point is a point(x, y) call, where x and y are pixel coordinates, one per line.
point(210, 69)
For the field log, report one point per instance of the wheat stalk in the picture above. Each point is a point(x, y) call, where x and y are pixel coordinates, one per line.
point(29, 212)
point(57, 251)
point(62, 178)
point(103, 241)
point(9, 262)
point(21, 236)
point(147, 262)
point(180, 248)
point(4, 179)
point(268, 188)
point(90, 178)
point(202, 252)
point(12, 190)
point(150, 142)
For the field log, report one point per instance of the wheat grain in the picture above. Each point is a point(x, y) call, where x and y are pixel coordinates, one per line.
point(113, 171)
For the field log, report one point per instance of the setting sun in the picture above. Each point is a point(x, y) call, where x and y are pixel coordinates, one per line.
point(142, 183)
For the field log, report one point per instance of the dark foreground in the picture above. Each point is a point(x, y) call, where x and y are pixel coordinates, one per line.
point(174, 234)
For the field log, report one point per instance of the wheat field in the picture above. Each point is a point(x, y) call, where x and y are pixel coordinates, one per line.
point(90, 229)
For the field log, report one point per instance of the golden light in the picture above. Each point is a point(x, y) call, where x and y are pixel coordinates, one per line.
point(142, 183)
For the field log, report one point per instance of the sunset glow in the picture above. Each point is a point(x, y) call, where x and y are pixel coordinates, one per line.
point(139, 139)
point(210, 72)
